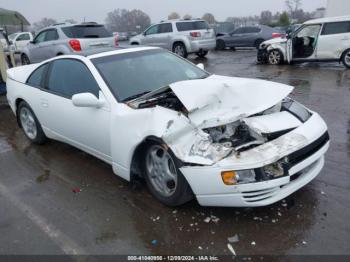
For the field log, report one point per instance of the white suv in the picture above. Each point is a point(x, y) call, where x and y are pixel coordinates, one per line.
point(326, 39)
point(182, 37)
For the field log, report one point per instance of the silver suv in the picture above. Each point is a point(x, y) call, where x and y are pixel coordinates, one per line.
point(62, 39)
point(183, 37)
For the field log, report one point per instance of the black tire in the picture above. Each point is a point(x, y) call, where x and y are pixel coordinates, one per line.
point(180, 49)
point(275, 57)
point(134, 43)
point(182, 192)
point(202, 53)
point(258, 42)
point(220, 44)
point(25, 59)
point(39, 137)
point(346, 58)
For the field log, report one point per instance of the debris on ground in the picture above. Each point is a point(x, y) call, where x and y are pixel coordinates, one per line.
point(207, 220)
point(323, 193)
point(154, 242)
point(273, 220)
point(200, 248)
point(253, 243)
point(76, 190)
point(304, 242)
point(279, 214)
point(175, 211)
point(233, 239)
point(214, 219)
point(230, 247)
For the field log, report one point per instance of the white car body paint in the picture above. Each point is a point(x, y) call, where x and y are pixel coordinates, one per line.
point(118, 129)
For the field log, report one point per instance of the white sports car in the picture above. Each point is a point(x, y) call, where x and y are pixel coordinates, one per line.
point(147, 112)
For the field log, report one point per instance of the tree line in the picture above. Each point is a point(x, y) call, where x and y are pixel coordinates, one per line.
point(123, 20)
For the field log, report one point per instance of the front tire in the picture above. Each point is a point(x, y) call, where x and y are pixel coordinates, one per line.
point(25, 59)
point(163, 177)
point(30, 124)
point(275, 57)
point(180, 50)
point(346, 58)
point(202, 53)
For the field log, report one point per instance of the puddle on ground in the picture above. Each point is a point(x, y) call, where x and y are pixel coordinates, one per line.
point(44, 177)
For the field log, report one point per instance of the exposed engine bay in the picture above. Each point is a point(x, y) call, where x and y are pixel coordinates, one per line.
point(246, 133)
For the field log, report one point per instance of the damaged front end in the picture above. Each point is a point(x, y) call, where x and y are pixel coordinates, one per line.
point(216, 127)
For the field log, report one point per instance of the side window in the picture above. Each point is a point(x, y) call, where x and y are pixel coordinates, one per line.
point(51, 35)
point(336, 28)
point(252, 30)
point(165, 28)
point(23, 37)
point(309, 31)
point(239, 31)
point(153, 30)
point(40, 37)
point(37, 77)
point(69, 77)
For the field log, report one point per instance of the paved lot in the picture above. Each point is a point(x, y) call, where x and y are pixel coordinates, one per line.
point(39, 213)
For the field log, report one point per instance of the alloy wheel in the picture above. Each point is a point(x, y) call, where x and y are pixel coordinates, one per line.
point(274, 57)
point(28, 123)
point(161, 170)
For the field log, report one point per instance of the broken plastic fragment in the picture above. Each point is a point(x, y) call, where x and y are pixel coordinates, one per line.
point(233, 239)
point(207, 220)
point(230, 247)
point(154, 242)
point(253, 243)
point(76, 190)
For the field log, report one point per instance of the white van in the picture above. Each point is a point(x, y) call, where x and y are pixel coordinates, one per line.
point(325, 39)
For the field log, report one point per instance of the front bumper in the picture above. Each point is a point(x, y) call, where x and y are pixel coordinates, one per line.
point(205, 45)
point(306, 152)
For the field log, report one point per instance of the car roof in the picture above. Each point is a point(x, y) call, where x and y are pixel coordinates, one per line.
point(328, 20)
point(101, 52)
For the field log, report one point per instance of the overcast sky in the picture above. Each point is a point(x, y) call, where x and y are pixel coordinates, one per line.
point(96, 10)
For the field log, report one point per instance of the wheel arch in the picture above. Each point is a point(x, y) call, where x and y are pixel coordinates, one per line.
point(17, 102)
point(138, 153)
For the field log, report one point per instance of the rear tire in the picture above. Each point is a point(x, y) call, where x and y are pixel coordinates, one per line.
point(180, 50)
point(134, 43)
point(30, 124)
point(163, 177)
point(202, 54)
point(25, 59)
point(275, 57)
point(346, 58)
point(220, 44)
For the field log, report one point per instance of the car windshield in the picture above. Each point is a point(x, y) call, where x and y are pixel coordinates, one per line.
point(132, 74)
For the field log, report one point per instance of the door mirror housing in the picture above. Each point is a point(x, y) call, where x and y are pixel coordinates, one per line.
point(201, 66)
point(86, 100)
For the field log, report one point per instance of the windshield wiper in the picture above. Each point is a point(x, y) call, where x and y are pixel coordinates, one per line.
point(135, 96)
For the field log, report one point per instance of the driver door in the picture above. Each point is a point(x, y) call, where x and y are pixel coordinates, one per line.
point(150, 35)
point(35, 48)
point(87, 128)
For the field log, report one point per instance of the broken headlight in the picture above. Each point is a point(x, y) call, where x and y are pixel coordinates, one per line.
point(238, 177)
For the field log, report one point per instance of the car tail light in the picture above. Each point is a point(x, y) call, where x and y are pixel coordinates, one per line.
point(195, 34)
point(276, 35)
point(116, 41)
point(75, 45)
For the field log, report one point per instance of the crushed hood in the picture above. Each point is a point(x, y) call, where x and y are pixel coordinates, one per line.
point(278, 40)
point(218, 100)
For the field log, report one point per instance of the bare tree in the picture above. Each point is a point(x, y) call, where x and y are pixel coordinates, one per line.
point(266, 17)
point(293, 6)
point(209, 18)
point(122, 20)
point(71, 21)
point(44, 22)
point(174, 15)
point(187, 16)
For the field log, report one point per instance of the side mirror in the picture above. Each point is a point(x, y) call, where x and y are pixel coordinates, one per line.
point(201, 66)
point(86, 100)
point(32, 42)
